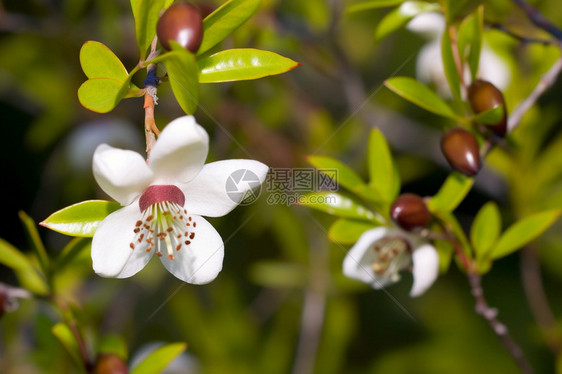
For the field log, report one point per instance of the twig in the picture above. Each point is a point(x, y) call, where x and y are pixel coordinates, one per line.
point(490, 315)
point(521, 38)
point(538, 19)
point(546, 81)
point(150, 99)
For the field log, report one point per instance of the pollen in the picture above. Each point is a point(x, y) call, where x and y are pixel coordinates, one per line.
point(392, 254)
point(164, 222)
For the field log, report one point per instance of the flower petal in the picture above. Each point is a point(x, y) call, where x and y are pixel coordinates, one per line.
point(111, 254)
point(221, 185)
point(201, 261)
point(357, 262)
point(180, 151)
point(120, 173)
point(425, 268)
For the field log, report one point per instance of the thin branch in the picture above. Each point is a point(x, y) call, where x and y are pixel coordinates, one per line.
point(521, 38)
point(538, 19)
point(546, 81)
point(490, 315)
point(150, 99)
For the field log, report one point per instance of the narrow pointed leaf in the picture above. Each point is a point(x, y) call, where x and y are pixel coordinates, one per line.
point(490, 116)
point(415, 92)
point(183, 72)
point(523, 231)
point(81, 219)
point(485, 228)
point(242, 64)
point(451, 194)
point(347, 231)
point(223, 21)
point(345, 175)
point(338, 205)
point(400, 16)
point(98, 61)
point(469, 39)
point(101, 95)
point(35, 241)
point(450, 66)
point(373, 4)
point(26, 273)
point(381, 167)
point(157, 361)
point(67, 339)
point(146, 14)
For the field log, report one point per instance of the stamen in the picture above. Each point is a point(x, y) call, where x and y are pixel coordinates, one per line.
point(392, 255)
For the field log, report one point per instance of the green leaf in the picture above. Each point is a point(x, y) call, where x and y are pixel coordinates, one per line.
point(373, 4)
point(98, 61)
point(338, 205)
point(70, 251)
point(469, 39)
point(242, 64)
point(485, 229)
point(445, 251)
point(146, 14)
point(27, 274)
point(382, 173)
point(35, 241)
point(223, 21)
point(101, 95)
point(345, 175)
point(490, 116)
point(400, 16)
point(346, 231)
point(66, 337)
point(157, 360)
point(183, 72)
point(450, 66)
point(523, 231)
point(81, 219)
point(451, 193)
point(415, 92)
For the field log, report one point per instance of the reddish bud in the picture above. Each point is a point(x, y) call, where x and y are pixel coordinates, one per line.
point(460, 148)
point(409, 212)
point(484, 96)
point(109, 363)
point(182, 23)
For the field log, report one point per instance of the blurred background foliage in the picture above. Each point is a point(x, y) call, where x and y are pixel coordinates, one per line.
point(281, 303)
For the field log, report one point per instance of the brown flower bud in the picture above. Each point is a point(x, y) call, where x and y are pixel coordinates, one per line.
point(110, 363)
point(182, 23)
point(460, 148)
point(409, 212)
point(484, 96)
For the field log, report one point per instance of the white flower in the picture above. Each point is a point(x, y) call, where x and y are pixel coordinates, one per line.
point(163, 203)
point(382, 252)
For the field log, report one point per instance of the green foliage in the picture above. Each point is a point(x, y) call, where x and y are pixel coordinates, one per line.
point(98, 61)
point(146, 14)
point(451, 193)
point(35, 241)
point(81, 219)
point(450, 66)
point(400, 16)
point(64, 334)
point(373, 4)
point(490, 116)
point(157, 360)
point(114, 344)
point(469, 40)
point(415, 92)
point(242, 64)
point(348, 231)
point(338, 204)
point(71, 251)
point(28, 276)
point(383, 177)
point(485, 229)
point(225, 20)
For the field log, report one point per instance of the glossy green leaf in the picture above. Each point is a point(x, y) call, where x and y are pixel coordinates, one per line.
point(71, 251)
point(345, 175)
point(100, 95)
point(373, 4)
point(451, 193)
point(242, 64)
point(81, 219)
point(400, 16)
point(66, 337)
point(381, 167)
point(98, 61)
point(490, 116)
point(469, 39)
point(157, 360)
point(346, 231)
point(223, 21)
point(183, 73)
point(35, 241)
point(450, 66)
point(337, 204)
point(146, 14)
point(485, 228)
point(415, 92)
point(523, 231)
point(26, 273)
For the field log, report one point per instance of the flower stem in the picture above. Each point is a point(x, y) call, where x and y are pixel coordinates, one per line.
point(150, 99)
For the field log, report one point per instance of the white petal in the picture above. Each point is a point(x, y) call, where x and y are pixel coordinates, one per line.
point(221, 185)
point(357, 263)
point(201, 261)
point(111, 254)
point(180, 151)
point(425, 268)
point(120, 173)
